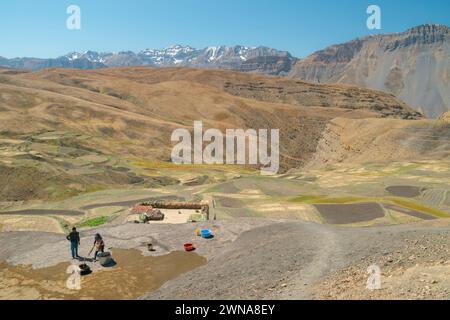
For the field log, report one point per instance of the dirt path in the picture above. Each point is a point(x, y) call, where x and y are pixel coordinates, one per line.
point(290, 260)
point(329, 252)
point(44, 212)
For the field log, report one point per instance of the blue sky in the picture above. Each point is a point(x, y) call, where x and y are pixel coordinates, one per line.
point(37, 28)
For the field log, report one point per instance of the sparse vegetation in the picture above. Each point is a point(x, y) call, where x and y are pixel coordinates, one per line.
point(414, 205)
point(323, 199)
point(94, 222)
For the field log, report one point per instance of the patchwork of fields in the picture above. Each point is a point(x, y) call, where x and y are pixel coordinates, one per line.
point(371, 195)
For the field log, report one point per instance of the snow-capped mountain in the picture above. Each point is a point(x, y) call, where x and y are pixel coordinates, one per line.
point(236, 58)
point(92, 56)
point(172, 55)
point(261, 59)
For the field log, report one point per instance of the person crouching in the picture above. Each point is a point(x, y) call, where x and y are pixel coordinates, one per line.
point(99, 246)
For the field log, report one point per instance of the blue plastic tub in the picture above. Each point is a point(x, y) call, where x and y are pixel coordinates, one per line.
point(206, 234)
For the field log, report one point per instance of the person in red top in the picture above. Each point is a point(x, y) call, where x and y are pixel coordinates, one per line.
point(99, 245)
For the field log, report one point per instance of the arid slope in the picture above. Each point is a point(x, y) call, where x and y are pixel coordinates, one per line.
point(70, 131)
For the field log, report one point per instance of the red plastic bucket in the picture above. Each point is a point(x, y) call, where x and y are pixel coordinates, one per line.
point(189, 247)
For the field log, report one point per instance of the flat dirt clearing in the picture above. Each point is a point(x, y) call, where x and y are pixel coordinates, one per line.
point(134, 275)
point(350, 213)
point(37, 270)
point(170, 216)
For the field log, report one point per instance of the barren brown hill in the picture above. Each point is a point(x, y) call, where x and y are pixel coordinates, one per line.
point(382, 140)
point(75, 130)
point(265, 88)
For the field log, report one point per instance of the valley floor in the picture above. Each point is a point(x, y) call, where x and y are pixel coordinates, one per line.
point(364, 180)
point(300, 235)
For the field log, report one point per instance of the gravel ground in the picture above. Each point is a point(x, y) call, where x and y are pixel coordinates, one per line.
point(289, 260)
point(418, 268)
point(45, 249)
point(271, 259)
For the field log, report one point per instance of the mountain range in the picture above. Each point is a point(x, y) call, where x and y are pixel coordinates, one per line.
point(261, 59)
point(413, 65)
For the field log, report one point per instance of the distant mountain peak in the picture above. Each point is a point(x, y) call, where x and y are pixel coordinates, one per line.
point(429, 28)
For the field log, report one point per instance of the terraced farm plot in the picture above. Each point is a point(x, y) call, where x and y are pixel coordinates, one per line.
point(230, 202)
point(237, 213)
point(44, 212)
point(10, 223)
point(228, 187)
point(410, 212)
point(447, 199)
point(350, 213)
point(434, 197)
point(129, 203)
point(404, 191)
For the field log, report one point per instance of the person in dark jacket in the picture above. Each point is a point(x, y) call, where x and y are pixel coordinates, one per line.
point(74, 238)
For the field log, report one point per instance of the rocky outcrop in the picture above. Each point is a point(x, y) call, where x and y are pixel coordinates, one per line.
point(414, 65)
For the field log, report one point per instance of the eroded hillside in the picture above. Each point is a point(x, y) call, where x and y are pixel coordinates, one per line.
point(413, 65)
point(64, 132)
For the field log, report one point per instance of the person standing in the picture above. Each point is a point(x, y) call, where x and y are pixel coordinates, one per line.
point(74, 238)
